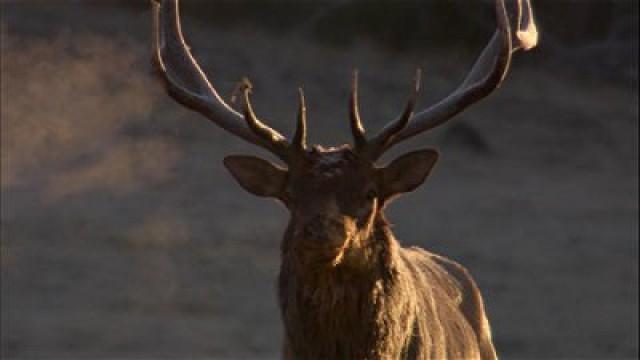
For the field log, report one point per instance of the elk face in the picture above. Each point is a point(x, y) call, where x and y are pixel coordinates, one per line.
point(334, 196)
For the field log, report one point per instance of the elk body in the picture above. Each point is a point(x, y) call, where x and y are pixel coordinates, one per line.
point(347, 288)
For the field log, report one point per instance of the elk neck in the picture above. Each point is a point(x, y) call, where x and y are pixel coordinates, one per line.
point(344, 307)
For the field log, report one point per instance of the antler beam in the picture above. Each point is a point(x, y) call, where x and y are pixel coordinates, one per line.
point(185, 81)
point(486, 75)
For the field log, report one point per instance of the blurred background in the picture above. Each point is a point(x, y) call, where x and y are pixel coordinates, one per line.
point(124, 237)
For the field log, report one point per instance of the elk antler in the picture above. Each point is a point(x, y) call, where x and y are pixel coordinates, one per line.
point(486, 75)
point(185, 81)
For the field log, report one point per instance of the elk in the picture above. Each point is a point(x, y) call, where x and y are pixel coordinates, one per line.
point(347, 288)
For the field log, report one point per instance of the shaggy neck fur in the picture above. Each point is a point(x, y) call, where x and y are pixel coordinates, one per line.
point(345, 312)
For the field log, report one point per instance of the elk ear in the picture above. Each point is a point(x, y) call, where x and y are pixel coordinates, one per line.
point(406, 173)
point(257, 176)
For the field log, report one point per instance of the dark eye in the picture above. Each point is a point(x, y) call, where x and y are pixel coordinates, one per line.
point(371, 194)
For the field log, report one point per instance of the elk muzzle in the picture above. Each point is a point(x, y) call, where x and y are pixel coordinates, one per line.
point(325, 238)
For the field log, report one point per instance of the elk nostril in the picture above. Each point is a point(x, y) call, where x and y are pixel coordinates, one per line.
point(321, 228)
point(307, 232)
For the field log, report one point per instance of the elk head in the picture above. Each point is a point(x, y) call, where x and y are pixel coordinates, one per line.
point(336, 195)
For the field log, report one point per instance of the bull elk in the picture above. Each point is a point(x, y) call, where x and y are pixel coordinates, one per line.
point(347, 288)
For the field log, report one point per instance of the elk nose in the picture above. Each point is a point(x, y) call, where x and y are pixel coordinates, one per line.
point(312, 228)
point(320, 227)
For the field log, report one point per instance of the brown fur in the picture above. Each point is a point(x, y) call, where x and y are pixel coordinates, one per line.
point(379, 301)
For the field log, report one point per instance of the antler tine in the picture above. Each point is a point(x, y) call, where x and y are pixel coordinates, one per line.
point(357, 129)
point(185, 82)
point(300, 137)
point(392, 129)
point(527, 32)
point(259, 128)
point(486, 75)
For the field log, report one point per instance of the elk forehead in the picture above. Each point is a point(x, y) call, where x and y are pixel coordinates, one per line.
point(332, 162)
point(331, 175)
point(335, 166)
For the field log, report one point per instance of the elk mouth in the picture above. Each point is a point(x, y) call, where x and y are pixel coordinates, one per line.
point(324, 242)
point(323, 253)
point(351, 253)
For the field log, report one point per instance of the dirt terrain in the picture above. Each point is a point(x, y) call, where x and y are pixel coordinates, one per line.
point(124, 237)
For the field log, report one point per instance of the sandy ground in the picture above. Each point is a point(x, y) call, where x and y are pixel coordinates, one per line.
point(124, 237)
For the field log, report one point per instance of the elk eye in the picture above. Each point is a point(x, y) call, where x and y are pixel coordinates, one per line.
point(371, 194)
